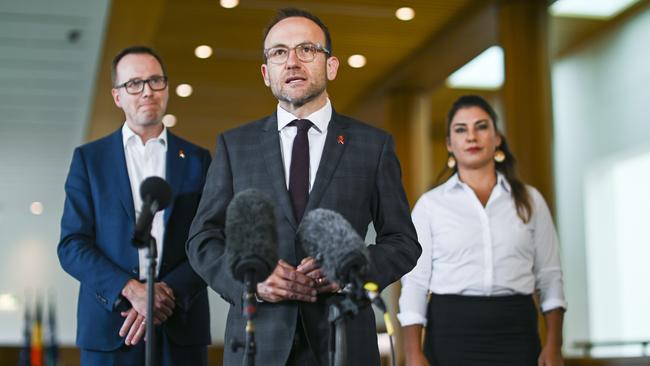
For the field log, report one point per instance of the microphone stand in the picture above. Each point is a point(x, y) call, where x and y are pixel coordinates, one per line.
point(249, 309)
point(149, 242)
point(340, 310)
point(152, 254)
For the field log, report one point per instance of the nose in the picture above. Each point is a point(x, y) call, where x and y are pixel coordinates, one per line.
point(292, 59)
point(471, 136)
point(146, 90)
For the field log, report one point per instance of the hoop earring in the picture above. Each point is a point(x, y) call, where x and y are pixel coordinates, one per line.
point(451, 162)
point(499, 156)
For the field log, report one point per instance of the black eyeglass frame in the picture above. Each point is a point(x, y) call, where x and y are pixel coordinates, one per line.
point(125, 84)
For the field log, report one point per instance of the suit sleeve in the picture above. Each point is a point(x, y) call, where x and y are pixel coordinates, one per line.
point(185, 283)
point(77, 250)
point(397, 249)
point(206, 246)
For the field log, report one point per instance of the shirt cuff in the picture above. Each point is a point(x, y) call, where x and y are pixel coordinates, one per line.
point(411, 318)
point(551, 304)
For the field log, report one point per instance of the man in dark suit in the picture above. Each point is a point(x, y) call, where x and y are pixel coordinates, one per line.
point(101, 206)
point(305, 156)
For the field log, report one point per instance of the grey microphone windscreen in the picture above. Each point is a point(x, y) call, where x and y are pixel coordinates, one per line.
point(251, 235)
point(330, 239)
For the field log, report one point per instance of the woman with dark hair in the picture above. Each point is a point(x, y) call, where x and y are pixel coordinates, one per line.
point(488, 244)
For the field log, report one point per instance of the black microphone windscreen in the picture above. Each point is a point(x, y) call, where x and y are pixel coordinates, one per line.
point(332, 241)
point(156, 189)
point(251, 235)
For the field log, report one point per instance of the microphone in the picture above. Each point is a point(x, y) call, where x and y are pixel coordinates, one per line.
point(251, 236)
point(330, 239)
point(156, 195)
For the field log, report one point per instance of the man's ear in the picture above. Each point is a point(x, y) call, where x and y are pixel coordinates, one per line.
point(265, 74)
point(116, 97)
point(332, 67)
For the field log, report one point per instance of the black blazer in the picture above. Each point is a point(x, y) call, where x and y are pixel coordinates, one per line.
point(358, 176)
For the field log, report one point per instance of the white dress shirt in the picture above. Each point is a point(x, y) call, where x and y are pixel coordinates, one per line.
point(316, 136)
point(144, 161)
point(468, 249)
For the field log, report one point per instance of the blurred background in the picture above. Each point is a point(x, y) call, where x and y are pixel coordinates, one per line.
point(570, 80)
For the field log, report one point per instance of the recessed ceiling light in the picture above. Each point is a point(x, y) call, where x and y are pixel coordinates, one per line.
point(184, 90)
point(357, 61)
point(169, 120)
point(405, 13)
point(36, 208)
point(485, 71)
point(203, 51)
point(229, 4)
point(601, 9)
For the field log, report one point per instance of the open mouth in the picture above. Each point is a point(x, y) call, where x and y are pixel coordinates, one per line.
point(294, 80)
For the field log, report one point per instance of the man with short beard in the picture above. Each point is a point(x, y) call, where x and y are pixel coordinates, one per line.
point(101, 207)
point(305, 156)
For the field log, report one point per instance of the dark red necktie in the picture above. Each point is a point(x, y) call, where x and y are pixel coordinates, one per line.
point(299, 169)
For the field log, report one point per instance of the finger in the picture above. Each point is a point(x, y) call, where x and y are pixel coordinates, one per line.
point(315, 274)
point(128, 322)
point(328, 288)
point(140, 333)
point(277, 293)
point(164, 301)
point(299, 296)
point(163, 312)
point(167, 290)
point(133, 330)
point(295, 276)
point(308, 266)
point(283, 264)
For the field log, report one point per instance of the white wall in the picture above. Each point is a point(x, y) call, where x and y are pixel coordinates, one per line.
point(601, 107)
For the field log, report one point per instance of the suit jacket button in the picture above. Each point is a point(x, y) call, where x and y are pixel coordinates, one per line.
point(135, 270)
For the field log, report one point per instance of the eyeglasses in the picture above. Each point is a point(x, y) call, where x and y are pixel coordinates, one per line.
point(306, 52)
point(136, 86)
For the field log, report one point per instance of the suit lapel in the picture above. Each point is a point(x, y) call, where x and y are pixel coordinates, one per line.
point(122, 174)
point(335, 142)
point(270, 147)
point(174, 170)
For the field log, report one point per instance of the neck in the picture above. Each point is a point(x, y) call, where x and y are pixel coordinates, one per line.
point(304, 110)
point(481, 179)
point(148, 132)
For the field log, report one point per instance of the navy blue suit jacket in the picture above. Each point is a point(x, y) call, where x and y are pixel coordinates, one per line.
point(95, 247)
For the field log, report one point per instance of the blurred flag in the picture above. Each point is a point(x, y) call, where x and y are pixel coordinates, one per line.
point(24, 358)
point(37, 335)
point(52, 349)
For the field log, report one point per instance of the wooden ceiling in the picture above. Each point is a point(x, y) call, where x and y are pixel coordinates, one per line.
point(228, 87)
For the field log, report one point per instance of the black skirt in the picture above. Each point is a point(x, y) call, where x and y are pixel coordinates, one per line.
point(481, 331)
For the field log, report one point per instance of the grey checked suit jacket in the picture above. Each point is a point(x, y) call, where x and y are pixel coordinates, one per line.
point(359, 178)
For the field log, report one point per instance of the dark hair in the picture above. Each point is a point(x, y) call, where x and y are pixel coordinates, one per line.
point(507, 167)
point(134, 50)
point(295, 12)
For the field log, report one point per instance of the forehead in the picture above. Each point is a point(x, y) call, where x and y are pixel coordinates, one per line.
point(470, 115)
point(293, 31)
point(137, 65)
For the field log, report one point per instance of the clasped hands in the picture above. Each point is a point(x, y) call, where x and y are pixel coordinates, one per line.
point(302, 283)
point(134, 325)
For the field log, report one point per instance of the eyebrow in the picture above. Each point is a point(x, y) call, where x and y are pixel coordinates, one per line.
point(465, 123)
point(297, 44)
